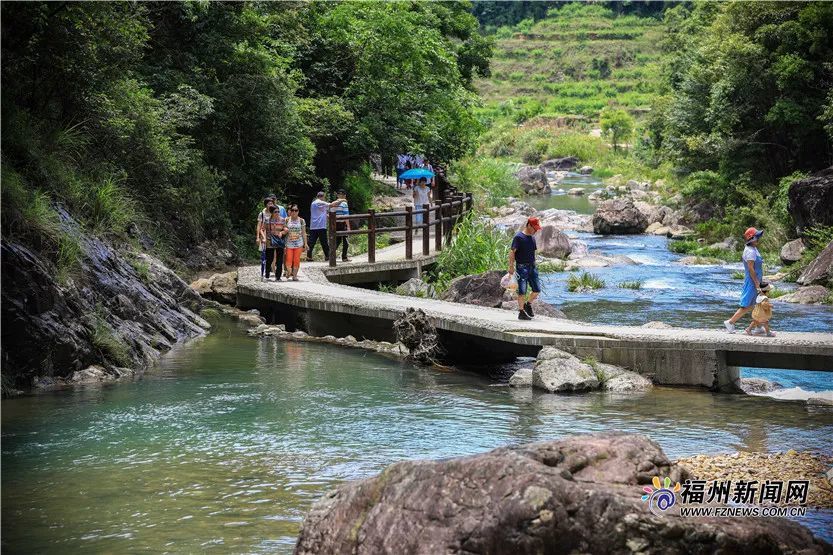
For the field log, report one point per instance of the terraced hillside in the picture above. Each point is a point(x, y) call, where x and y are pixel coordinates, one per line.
point(579, 59)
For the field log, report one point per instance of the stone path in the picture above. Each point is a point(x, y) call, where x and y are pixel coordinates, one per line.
point(314, 291)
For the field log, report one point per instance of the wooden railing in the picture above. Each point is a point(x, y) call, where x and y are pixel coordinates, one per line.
point(446, 213)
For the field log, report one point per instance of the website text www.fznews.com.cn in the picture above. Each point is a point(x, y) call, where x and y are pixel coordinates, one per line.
point(728, 512)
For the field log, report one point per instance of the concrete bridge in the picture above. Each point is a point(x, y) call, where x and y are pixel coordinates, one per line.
point(326, 302)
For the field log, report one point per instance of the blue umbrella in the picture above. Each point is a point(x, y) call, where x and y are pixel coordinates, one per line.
point(416, 173)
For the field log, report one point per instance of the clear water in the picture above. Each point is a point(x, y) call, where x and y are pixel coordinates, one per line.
point(561, 200)
point(226, 445)
point(685, 296)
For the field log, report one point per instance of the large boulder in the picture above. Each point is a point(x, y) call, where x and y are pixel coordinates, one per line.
point(552, 242)
point(480, 289)
point(627, 382)
point(415, 287)
point(581, 494)
point(811, 200)
point(533, 180)
point(618, 216)
point(113, 311)
point(219, 287)
point(566, 163)
point(820, 270)
point(556, 370)
point(791, 251)
point(812, 294)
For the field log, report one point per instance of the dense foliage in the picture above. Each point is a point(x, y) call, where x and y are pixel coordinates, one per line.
point(749, 89)
point(180, 116)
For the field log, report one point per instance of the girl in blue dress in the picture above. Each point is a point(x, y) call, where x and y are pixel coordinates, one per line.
point(753, 266)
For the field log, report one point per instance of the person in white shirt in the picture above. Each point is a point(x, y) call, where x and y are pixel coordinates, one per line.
point(422, 195)
point(318, 224)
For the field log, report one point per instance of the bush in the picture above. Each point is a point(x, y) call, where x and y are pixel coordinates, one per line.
point(359, 187)
point(491, 180)
point(584, 282)
point(476, 248)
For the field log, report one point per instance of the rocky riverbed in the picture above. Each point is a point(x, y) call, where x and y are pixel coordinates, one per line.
point(788, 465)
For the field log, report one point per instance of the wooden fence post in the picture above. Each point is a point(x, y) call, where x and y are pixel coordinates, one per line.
point(426, 229)
point(438, 225)
point(409, 229)
point(469, 202)
point(371, 236)
point(331, 232)
point(447, 209)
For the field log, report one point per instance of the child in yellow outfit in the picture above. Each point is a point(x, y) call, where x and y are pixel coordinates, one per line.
point(762, 313)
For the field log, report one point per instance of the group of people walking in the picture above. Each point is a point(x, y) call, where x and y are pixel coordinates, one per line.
point(281, 235)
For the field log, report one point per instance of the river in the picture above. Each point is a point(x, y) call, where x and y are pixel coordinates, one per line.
point(228, 441)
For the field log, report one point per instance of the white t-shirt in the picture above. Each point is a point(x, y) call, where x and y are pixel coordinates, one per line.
point(750, 253)
point(318, 214)
point(421, 195)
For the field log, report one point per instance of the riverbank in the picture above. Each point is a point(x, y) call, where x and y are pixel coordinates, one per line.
point(781, 466)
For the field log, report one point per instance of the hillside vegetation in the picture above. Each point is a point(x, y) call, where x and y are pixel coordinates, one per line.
point(725, 103)
point(578, 60)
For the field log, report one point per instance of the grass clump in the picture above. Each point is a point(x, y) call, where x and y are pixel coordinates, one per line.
point(68, 259)
point(550, 267)
point(635, 284)
point(738, 274)
point(109, 346)
point(694, 248)
point(585, 281)
point(142, 269)
point(776, 292)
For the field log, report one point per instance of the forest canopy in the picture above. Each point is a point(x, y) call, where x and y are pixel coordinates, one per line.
point(185, 114)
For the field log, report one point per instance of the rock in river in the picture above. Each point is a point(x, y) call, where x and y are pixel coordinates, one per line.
point(533, 180)
point(820, 270)
point(618, 216)
point(813, 294)
point(556, 370)
point(480, 289)
point(552, 243)
point(581, 494)
point(791, 251)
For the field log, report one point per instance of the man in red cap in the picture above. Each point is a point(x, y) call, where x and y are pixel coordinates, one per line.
point(753, 267)
point(522, 261)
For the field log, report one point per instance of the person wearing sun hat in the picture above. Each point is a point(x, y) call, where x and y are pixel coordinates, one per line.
point(753, 267)
point(522, 263)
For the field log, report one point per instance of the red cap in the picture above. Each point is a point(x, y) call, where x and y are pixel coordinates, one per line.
point(535, 223)
point(751, 233)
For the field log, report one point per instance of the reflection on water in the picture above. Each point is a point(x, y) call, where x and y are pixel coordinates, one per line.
point(230, 441)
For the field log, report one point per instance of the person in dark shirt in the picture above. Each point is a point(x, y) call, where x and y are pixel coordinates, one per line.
point(522, 262)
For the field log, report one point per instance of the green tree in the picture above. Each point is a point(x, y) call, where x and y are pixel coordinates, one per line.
point(748, 85)
point(617, 125)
